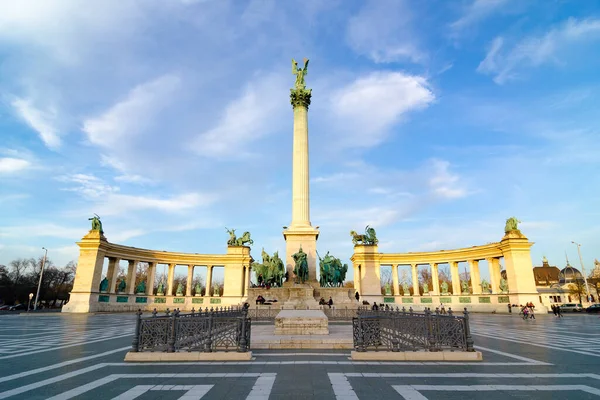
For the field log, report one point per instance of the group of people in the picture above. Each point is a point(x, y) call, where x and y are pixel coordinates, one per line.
point(262, 301)
point(527, 311)
point(329, 303)
point(556, 310)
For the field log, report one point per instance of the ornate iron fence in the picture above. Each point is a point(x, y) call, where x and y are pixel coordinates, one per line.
point(399, 330)
point(226, 329)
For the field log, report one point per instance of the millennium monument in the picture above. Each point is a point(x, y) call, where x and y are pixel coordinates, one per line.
point(300, 236)
point(290, 283)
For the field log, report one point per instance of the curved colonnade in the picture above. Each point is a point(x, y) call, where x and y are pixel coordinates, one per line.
point(514, 249)
point(94, 249)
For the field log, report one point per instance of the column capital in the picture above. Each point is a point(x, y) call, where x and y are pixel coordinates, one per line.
point(300, 97)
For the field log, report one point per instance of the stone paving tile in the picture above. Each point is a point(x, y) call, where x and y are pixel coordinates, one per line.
point(306, 375)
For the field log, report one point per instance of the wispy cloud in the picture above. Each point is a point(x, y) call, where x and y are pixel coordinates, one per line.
point(505, 62)
point(132, 115)
point(372, 103)
point(42, 121)
point(444, 183)
point(382, 30)
point(10, 165)
point(475, 12)
point(88, 186)
point(250, 117)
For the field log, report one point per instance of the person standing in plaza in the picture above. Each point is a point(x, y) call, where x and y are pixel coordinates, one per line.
point(509, 308)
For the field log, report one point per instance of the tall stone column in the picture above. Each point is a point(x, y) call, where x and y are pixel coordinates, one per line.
point(112, 273)
point(300, 232)
point(415, 280)
point(247, 280)
point(170, 278)
point(435, 278)
point(190, 278)
point(209, 269)
point(456, 289)
point(395, 280)
point(131, 273)
point(494, 268)
point(150, 280)
point(475, 278)
point(356, 273)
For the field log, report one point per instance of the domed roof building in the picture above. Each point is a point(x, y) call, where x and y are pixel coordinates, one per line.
point(569, 274)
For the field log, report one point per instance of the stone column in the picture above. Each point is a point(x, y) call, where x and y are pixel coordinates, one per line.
point(150, 280)
point(209, 269)
point(131, 273)
point(356, 273)
point(300, 232)
point(456, 289)
point(190, 278)
point(475, 278)
point(415, 280)
point(435, 279)
point(247, 280)
point(494, 268)
point(170, 278)
point(395, 279)
point(112, 273)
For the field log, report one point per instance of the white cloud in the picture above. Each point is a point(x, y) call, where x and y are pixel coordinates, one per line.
point(44, 122)
point(382, 31)
point(41, 230)
point(504, 62)
point(477, 11)
point(125, 177)
point(248, 118)
point(444, 183)
point(115, 204)
point(131, 116)
point(88, 186)
point(371, 104)
point(10, 165)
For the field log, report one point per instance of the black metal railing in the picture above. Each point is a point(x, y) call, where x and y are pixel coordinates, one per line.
point(215, 329)
point(402, 330)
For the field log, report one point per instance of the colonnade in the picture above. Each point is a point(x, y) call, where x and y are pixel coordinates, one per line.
point(475, 277)
point(113, 269)
point(94, 249)
point(514, 249)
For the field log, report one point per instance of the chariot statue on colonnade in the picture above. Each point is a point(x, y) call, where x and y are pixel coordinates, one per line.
point(369, 237)
point(244, 240)
point(96, 223)
point(511, 225)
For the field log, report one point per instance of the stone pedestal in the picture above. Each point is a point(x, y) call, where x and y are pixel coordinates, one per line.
point(301, 297)
point(301, 322)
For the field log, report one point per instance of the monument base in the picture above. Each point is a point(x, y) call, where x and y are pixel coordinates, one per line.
point(301, 322)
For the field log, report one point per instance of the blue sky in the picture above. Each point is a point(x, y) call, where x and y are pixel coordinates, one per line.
point(431, 121)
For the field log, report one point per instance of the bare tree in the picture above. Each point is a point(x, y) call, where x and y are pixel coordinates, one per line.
point(577, 288)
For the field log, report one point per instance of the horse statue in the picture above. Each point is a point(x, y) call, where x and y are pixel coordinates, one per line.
point(511, 224)
point(232, 238)
point(244, 239)
point(369, 237)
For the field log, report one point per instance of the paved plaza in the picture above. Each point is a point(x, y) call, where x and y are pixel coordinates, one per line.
point(81, 357)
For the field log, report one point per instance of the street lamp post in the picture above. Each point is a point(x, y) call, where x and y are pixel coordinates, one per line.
point(587, 289)
point(37, 295)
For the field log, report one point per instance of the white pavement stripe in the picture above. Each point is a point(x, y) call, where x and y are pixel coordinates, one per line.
point(309, 362)
point(408, 392)
point(411, 392)
point(64, 347)
point(459, 375)
point(530, 360)
point(262, 388)
point(84, 388)
point(341, 387)
point(27, 388)
point(134, 392)
point(537, 344)
point(60, 365)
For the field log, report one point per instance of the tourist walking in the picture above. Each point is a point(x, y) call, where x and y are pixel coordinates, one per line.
point(509, 308)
